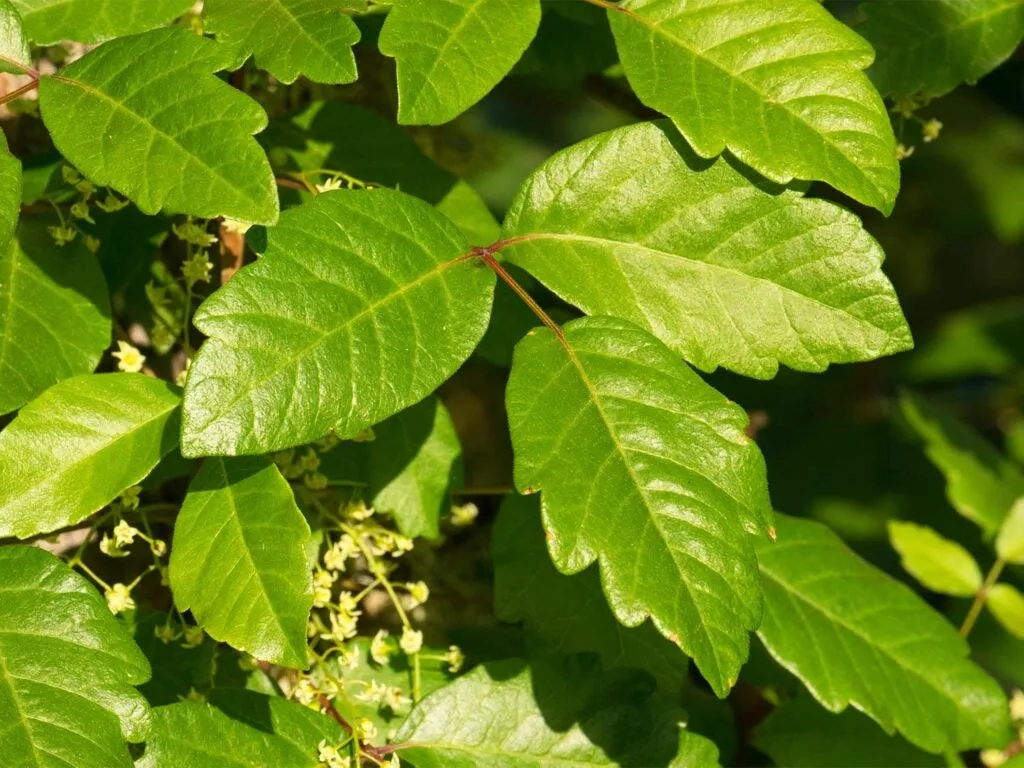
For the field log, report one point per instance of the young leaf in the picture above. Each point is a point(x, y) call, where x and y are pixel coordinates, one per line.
point(558, 711)
point(288, 38)
point(451, 53)
point(660, 484)
point(54, 314)
point(384, 314)
point(1007, 605)
point(14, 51)
point(74, 448)
point(981, 484)
point(725, 271)
point(777, 82)
point(939, 564)
point(1010, 540)
point(238, 560)
point(854, 635)
point(66, 669)
point(568, 614)
point(928, 49)
point(145, 115)
point(92, 21)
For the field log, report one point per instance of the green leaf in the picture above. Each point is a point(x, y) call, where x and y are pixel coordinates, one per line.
point(238, 729)
point(800, 734)
point(854, 635)
point(451, 53)
point(54, 314)
point(1007, 605)
point(464, 206)
point(981, 484)
point(66, 669)
point(568, 614)
point(176, 669)
point(74, 448)
point(10, 189)
point(1010, 540)
point(238, 560)
point(288, 38)
point(776, 82)
point(559, 711)
point(725, 271)
point(145, 115)
point(939, 564)
point(92, 21)
point(298, 346)
point(14, 51)
point(658, 485)
point(930, 48)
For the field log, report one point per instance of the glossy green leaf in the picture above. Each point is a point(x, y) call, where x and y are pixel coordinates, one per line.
point(854, 635)
point(145, 115)
point(1010, 539)
point(1007, 605)
point(66, 669)
point(238, 729)
point(726, 269)
point(288, 38)
point(54, 314)
point(930, 48)
point(14, 55)
point(298, 345)
point(559, 711)
point(568, 614)
point(91, 21)
point(74, 448)
point(776, 82)
point(10, 191)
point(939, 564)
point(238, 559)
point(981, 484)
point(660, 484)
point(451, 53)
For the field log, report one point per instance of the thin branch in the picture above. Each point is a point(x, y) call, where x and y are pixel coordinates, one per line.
point(8, 97)
point(18, 65)
point(980, 597)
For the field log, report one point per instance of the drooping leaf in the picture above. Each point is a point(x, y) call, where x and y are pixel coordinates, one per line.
point(981, 484)
point(384, 314)
point(1010, 539)
point(568, 614)
point(725, 271)
point(854, 635)
point(451, 53)
point(145, 115)
point(238, 560)
point(938, 563)
point(645, 468)
point(14, 51)
point(92, 21)
point(74, 448)
point(66, 669)
point(1007, 605)
point(240, 729)
point(560, 711)
point(776, 82)
point(930, 48)
point(288, 38)
point(54, 314)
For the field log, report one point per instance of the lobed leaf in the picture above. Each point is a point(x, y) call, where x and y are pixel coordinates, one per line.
point(939, 564)
point(855, 636)
point(92, 21)
point(238, 559)
point(451, 53)
point(145, 115)
point(66, 669)
point(776, 82)
point(288, 38)
point(646, 469)
point(78, 445)
point(724, 268)
point(54, 314)
point(385, 312)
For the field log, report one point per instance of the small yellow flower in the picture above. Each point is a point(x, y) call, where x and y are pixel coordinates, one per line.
point(343, 549)
point(70, 175)
point(158, 547)
point(129, 359)
point(328, 185)
point(347, 603)
point(455, 658)
point(1017, 705)
point(376, 692)
point(111, 548)
point(194, 695)
point(193, 637)
point(380, 647)
point(119, 599)
point(321, 596)
point(310, 461)
point(903, 152)
point(165, 633)
point(357, 510)
point(124, 534)
point(348, 657)
point(419, 592)
point(930, 131)
point(197, 268)
point(129, 498)
point(305, 692)
point(411, 640)
point(364, 729)
point(331, 757)
point(992, 758)
point(111, 203)
point(80, 210)
point(315, 481)
point(396, 699)
point(92, 243)
point(63, 234)
point(194, 233)
point(464, 514)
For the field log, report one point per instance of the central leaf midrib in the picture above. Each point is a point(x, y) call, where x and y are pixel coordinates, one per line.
point(8, 679)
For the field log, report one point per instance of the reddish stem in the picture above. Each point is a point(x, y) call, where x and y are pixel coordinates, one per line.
point(30, 86)
point(487, 256)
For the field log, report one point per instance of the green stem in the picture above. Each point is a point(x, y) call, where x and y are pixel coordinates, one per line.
point(980, 597)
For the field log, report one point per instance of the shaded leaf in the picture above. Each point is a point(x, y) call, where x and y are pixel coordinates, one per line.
point(647, 469)
point(145, 115)
point(984, 340)
point(13, 51)
point(777, 82)
point(66, 669)
point(1007, 605)
point(74, 448)
point(91, 21)
point(939, 564)
point(10, 183)
point(726, 272)
point(298, 346)
point(176, 669)
point(854, 635)
point(238, 560)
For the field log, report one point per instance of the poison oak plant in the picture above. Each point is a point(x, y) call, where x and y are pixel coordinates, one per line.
point(234, 292)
